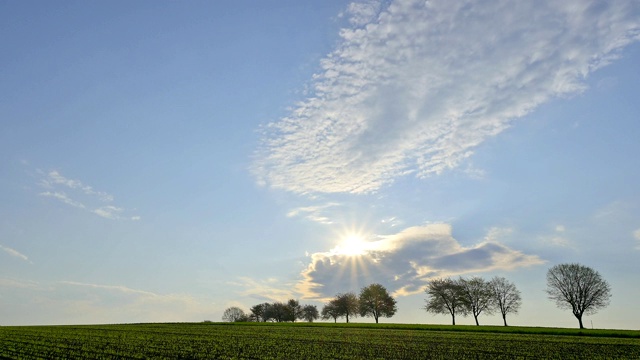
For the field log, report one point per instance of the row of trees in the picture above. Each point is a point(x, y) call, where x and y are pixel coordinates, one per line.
point(276, 312)
point(571, 286)
point(474, 296)
point(374, 301)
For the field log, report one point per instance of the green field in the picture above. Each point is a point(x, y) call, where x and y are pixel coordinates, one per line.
point(315, 341)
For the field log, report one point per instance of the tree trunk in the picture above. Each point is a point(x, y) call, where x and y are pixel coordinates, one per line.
point(347, 318)
point(504, 318)
point(476, 317)
point(453, 318)
point(580, 321)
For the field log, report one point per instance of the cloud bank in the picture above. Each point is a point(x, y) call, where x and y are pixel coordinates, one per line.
point(413, 87)
point(405, 261)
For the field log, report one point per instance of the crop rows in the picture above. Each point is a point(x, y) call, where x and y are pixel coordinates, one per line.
point(216, 341)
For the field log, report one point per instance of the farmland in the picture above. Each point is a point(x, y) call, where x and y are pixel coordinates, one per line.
point(315, 341)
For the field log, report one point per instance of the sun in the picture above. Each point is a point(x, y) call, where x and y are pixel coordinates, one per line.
point(351, 245)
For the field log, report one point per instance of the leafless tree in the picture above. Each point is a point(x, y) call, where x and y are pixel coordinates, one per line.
point(444, 296)
point(579, 288)
point(234, 314)
point(506, 297)
point(476, 296)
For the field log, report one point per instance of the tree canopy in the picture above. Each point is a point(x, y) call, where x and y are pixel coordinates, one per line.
point(579, 288)
point(375, 301)
point(444, 296)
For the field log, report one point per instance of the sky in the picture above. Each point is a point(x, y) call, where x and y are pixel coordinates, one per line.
point(163, 161)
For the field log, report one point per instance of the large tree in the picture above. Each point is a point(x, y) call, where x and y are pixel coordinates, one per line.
point(258, 312)
point(444, 296)
point(294, 310)
point(506, 297)
point(476, 296)
point(347, 304)
point(234, 314)
point(579, 288)
point(375, 301)
point(310, 313)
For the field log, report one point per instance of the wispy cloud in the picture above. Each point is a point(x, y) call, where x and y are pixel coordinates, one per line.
point(92, 200)
point(314, 213)
point(64, 198)
point(414, 86)
point(636, 235)
point(15, 253)
point(406, 260)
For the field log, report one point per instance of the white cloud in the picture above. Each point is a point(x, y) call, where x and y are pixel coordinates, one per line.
point(422, 83)
point(15, 253)
point(403, 262)
point(636, 235)
point(314, 213)
point(55, 182)
point(108, 212)
point(54, 177)
point(64, 198)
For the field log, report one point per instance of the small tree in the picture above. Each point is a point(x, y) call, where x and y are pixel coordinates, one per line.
point(579, 288)
point(234, 314)
point(347, 304)
point(506, 296)
point(310, 313)
point(476, 296)
point(330, 311)
point(444, 296)
point(375, 301)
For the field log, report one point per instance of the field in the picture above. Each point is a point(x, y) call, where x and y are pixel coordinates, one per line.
point(316, 341)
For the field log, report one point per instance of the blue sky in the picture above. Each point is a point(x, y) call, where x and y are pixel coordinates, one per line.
point(162, 161)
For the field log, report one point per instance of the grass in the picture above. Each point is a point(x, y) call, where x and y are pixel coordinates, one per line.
point(208, 340)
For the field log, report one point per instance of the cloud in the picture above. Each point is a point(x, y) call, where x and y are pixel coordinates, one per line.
point(414, 87)
point(55, 178)
point(92, 200)
point(15, 253)
point(64, 198)
point(636, 235)
point(313, 213)
point(267, 290)
point(405, 261)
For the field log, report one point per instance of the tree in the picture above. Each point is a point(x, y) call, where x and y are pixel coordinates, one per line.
point(375, 301)
point(579, 288)
point(310, 313)
point(234, 314)
point(347, 304)
point(278, 312)
point(476, 296)
point(258, 312)
point(505, 296)
point(294, 310)
point(330, 311)
point(444, 296)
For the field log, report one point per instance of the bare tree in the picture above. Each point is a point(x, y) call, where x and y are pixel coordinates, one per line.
point(330, 311)
point(310, 313)
point(347, 304)
point(444, 296)
point(579, 288)
point(506, 296)
point(375, 301)
point(234, 314)
point(476, 296)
